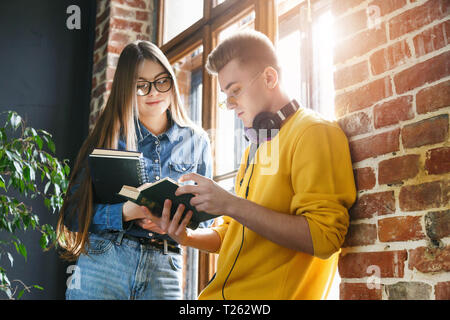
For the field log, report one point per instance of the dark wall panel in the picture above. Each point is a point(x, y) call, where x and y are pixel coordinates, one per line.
point(45, 75)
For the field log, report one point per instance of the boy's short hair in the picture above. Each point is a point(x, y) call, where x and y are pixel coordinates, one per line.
point(249, 47)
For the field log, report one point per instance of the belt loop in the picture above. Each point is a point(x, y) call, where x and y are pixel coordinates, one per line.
point(166, 248)
point(120, 237)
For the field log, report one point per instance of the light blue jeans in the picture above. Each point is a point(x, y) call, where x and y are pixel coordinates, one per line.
point(125, 269)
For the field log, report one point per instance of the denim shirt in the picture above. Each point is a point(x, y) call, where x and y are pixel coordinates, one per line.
point(178, 151)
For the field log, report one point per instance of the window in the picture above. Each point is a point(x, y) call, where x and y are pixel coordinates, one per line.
point(302, 33)
point(229, 131)
point(175, 18)
point(188, 70)
point(305, 48)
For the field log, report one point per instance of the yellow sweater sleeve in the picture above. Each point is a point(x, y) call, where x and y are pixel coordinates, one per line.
point(324, 187)
point(222, 228)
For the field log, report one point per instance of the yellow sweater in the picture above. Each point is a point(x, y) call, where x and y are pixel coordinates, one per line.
point(309, 172)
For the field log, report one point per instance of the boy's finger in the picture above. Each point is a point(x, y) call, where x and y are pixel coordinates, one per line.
point(165, 217)
point(176, 218)
point(184, 223)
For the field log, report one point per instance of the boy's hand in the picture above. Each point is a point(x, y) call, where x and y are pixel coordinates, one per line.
point(174, 228)
point(208, 195)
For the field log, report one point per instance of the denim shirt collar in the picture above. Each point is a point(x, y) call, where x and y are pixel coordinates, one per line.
point(172, 133)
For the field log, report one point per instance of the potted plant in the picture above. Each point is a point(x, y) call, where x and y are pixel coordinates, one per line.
point(28, 170)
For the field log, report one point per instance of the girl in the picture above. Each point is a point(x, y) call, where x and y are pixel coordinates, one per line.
point(117, 256)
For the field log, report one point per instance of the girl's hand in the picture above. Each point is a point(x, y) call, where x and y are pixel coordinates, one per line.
point(147, 224)
point(132, 211)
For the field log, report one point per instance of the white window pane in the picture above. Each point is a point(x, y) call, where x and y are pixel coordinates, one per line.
point(323, 43)
point(229, 133)
point(180, 15)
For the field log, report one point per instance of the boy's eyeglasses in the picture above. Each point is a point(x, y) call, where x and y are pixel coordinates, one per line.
point(225, 99)
point(143, 87)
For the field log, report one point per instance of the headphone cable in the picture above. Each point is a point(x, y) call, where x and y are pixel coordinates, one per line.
point(242, 241)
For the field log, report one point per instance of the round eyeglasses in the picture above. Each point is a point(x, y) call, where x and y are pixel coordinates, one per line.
point(143, 87)
point(225, 100)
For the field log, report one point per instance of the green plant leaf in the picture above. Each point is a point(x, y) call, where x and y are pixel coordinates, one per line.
point(39, 142)
point(51, 145)
point(20, 294)
point(43, 241)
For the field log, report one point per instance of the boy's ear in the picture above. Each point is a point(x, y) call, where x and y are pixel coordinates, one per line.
point(270, 77)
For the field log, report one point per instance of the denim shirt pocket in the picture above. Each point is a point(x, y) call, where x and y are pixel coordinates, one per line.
point(176, 170)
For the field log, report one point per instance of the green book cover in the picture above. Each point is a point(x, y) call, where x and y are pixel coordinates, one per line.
point(153, 195)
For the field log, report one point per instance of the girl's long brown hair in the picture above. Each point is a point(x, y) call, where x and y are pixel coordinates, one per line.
point(117, 120)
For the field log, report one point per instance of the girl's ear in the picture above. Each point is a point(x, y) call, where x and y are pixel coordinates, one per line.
point(270, 77)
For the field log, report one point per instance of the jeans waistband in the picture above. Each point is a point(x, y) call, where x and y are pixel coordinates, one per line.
point(160, 244)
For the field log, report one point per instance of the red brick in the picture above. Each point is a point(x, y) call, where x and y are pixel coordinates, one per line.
point(100, 42)
point(400, 229)
point(433, 98)
point(428, 260)
point(438, 161)
point(117, 49)
point(416, 18)
point(101, 88)
point(360, 234)
point(372, 205)
point(387, 6)
point(355, 265)
point(122, 24)
point(437, 224)
point(365, 178)
point(355, 124)
point(425, 72)
point(393, 111)
point(430, 40)
point(365, 96)
point(102, 16)
point(120, 36)
point(142, 15)
point(123, 13)
point(359, 44)
point(398, 169)
point(358, 291)
point(429, 131)
point(132, 3)
point(420, 197)
point(442, 291)
point(351, 75)
point(390, 57)
point(375, 145)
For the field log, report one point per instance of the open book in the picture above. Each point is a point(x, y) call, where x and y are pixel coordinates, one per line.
point(153, 195)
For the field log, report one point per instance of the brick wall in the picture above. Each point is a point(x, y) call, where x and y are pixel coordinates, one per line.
point(392, 82)
point(118, 22)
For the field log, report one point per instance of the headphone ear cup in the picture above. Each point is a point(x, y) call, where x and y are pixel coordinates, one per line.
point(266, 120)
